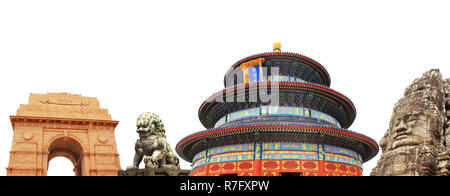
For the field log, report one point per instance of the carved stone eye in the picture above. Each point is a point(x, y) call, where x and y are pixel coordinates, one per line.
point(398, 121)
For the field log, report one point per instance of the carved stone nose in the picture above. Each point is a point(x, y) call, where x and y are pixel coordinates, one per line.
point(401, 127)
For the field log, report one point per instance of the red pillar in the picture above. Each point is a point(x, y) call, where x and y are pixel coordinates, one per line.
point(322, 168)
point(359, 172)
point(207, 169)
point(257, 168)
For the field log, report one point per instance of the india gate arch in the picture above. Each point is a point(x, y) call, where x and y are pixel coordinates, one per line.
point(69, 148)
point(63, 125)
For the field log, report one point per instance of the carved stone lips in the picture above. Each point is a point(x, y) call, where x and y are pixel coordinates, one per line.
point(402, 135)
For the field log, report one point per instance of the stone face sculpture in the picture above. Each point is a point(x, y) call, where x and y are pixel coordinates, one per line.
point(152, 146)
point(415, 143)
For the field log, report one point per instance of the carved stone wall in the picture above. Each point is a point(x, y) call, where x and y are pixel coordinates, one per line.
point(67, 125)
point(416, 142)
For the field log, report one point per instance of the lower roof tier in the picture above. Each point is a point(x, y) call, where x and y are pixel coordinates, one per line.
point(313, 96)
point(276, 128)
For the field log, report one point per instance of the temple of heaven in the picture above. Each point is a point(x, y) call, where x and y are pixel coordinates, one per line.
point(277, 116)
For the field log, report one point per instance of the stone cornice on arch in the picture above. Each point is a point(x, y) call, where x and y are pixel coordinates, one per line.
point(67, 123)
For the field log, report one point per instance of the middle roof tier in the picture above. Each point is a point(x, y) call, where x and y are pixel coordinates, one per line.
point(297, 94)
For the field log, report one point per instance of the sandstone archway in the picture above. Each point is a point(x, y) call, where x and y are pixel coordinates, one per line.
point(68, 148)
point(62, 124)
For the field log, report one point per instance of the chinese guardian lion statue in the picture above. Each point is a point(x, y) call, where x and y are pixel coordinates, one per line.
point(152, 146)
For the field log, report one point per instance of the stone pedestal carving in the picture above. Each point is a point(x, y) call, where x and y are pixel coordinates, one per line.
point(154, 172)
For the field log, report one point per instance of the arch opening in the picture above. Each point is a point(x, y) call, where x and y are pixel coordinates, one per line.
point(68, 148)
point(60, 166)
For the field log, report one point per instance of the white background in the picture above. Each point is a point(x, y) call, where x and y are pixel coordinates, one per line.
point(167, 57)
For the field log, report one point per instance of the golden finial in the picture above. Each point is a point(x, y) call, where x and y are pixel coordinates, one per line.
point(277, 47)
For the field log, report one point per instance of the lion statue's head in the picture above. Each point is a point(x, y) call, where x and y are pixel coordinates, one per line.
point(149, 124)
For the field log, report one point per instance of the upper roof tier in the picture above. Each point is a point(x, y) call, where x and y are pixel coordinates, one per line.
point(265, 66)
